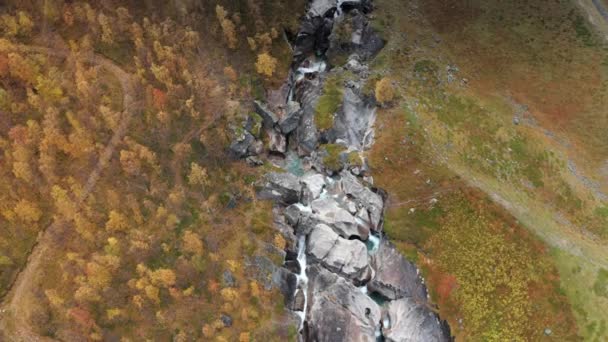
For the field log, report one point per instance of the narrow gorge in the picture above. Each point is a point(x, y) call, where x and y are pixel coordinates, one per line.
point(341, 277)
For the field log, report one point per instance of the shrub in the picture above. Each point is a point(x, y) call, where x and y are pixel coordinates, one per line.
point(384, 91)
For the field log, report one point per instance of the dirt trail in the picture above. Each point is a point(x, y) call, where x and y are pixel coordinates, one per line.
point(14, 303)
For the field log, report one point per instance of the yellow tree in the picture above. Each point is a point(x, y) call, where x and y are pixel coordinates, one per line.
point(266, 64)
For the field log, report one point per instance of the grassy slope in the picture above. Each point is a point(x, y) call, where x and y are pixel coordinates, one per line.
point(534, 60)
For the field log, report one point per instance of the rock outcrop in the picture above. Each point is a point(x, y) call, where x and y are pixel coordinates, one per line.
point(411, 321)
point(338, 311)
point(395, 277)
point(345, 257)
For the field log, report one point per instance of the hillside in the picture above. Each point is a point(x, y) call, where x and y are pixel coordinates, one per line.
point(274, 170)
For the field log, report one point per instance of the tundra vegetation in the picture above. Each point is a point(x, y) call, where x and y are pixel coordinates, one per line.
point(495, 159)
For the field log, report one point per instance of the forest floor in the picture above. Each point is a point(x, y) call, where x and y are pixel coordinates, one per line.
point(14, 304)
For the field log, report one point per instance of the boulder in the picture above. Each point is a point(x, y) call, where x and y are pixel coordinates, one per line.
point(307, 135)
point(328, 211)
point(283, 187)
point(395, 276)
point(290, 121)
point(338, 311)
point(241, 143)
point(312, 186)
point(314, 32)
point(364, 196)
point(354, 121)
point(269, 118)
point(226, 320)
point(282, 226)
point(347, 257)
point(409, 321)
point(276, 141)
point(293, 266)
point(294, 212)
point(256, 148)
point(254, 161)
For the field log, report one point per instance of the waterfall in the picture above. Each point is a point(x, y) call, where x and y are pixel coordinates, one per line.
point(302, 277)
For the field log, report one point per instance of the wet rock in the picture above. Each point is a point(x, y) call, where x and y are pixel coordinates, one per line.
point(338, 311)
point(291, 119)
point(395, 276)
point(293, 266)
point(328, 211)
point(314, 32)
point(276, 141)
point(283, 187)
point(364, 6)
point(287, 283)
point(410, 321)
point(298, 301)
point(313, 184)
point(226, 320)
point(347, 257)
point(364, 196)
point(282, 226)
point(354, 121)
point(292, 214)
point(269, 118)
point(320, 7)
point(307, 135)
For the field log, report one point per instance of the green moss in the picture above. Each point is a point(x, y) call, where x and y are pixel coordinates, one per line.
point(414, 227)
point(5, 261)
point(600, 287)
point(328, 103)
point(354, 159)
point(332, 159)
point(582, 31)
point(425, 66)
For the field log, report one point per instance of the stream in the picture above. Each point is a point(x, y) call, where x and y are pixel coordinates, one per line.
point(342, 279)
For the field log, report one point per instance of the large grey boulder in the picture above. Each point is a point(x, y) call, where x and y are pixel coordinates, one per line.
point(276, 141)
point(346, 257)
point(338, 311)
point(327, 210)
point(411, 321)
point(283, 187)
point(313, 184)
point(354, 121)
point(364, 196)
point(395, 276)
point(307, 135)
point(241, 143)
point(290, 121)
point(269, 118)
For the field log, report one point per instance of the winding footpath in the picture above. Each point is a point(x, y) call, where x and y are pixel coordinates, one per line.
point(14, 302)
point(342, 279)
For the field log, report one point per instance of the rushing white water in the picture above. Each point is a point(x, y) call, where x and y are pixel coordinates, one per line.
point(386, 323)
point(314, 67)
point(302, 277)
point(363, 289)
point(373, 243)
point(305, 209)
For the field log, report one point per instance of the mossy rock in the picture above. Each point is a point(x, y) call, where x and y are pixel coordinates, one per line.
point(332, 159)
point(329, 103)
